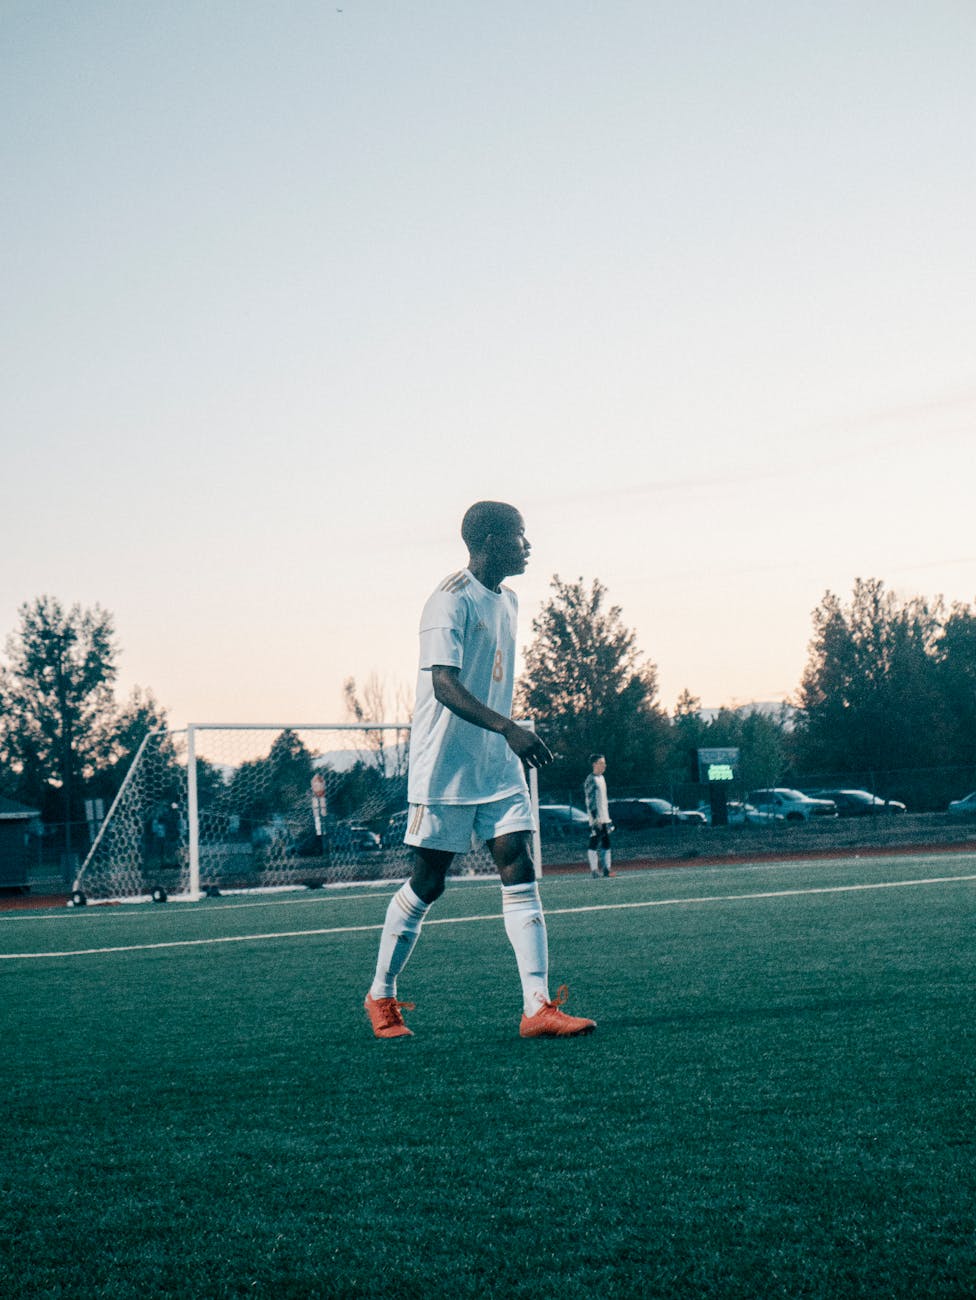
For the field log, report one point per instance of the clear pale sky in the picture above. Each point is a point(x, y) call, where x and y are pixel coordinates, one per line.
point(288, 286)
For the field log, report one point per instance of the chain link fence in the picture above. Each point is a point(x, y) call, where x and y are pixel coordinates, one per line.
point(926, 823)
point(53, 851)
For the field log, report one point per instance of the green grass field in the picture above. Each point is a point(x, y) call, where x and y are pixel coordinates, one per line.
point(778, 1100)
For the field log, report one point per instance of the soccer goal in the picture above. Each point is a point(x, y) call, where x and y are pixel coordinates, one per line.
point(218, 808)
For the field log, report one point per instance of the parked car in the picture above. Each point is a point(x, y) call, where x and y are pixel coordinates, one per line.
point(341, 837)
point(639, 814)
point(395, 829)
point(276, 831)
point(560, 819)
point(858, 803)
point(350, 836)
point(794, 805)
point(963, 806)
point(742, 814)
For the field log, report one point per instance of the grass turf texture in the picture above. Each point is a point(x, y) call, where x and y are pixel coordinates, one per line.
point(777, 1100)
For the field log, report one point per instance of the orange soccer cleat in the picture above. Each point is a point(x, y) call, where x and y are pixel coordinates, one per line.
point(384, 1016)
point(550, 1022)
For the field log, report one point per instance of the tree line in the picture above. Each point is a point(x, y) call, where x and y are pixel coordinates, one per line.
point(64, 737)
point(889, 685)
point(889, 688)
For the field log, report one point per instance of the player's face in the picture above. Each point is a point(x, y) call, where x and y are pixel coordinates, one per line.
point(509, 545)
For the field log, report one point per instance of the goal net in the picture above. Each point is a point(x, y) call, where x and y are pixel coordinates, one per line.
point(234, 807)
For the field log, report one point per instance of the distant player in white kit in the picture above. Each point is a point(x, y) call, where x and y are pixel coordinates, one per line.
point(598, 811)
point(466, 779)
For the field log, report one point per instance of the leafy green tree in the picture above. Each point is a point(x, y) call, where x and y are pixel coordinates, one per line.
point(762, 739)
point(956, 658)
point(290, 761)
point(585, 684)
point(123, 731)
point(57, 699)
point(212, 785)
point(870, 695)
point(363, 793)
point(277, 783)
point(688, 732)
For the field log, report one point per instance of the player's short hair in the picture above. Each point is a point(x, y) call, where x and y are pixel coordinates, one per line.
point(595, 758)
point(484, 518)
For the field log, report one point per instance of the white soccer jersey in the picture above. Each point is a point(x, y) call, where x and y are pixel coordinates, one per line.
point(595, 794)
point(468, 627)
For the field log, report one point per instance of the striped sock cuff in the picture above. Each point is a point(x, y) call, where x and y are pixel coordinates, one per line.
point(520, 896)
point(409, 903)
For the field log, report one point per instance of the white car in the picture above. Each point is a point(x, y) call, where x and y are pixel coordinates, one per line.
point(558, 820)
point(964, 806)
point(743, 814)
point(792, 805)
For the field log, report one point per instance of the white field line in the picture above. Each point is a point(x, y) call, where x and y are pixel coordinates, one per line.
point(493, 916)
point(174, 907)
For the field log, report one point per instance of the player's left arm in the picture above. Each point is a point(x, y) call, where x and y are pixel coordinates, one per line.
point(449, 691)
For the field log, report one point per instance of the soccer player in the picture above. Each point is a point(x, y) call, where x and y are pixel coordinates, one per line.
point(598, 811)
point(466, 781)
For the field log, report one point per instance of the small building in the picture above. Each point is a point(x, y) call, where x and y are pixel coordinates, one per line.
point(14, 855)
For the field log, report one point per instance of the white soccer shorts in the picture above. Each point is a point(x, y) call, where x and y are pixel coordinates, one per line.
point(461, 827)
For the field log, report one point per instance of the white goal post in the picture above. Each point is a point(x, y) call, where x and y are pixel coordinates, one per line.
point(235, 806)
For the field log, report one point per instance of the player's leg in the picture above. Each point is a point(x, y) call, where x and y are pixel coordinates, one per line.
point(434, 838)
point(592, 852)
point(604, 851)
point(525, 923)
point(405, 916)
point(430, 868)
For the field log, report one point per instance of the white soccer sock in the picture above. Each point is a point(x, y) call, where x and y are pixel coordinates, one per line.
point(605, 856)
point(401, 929)
point(592, 859)
point(525, 926)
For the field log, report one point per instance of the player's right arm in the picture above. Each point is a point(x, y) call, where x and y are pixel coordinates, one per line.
point(449, 691)
point(589, 798)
